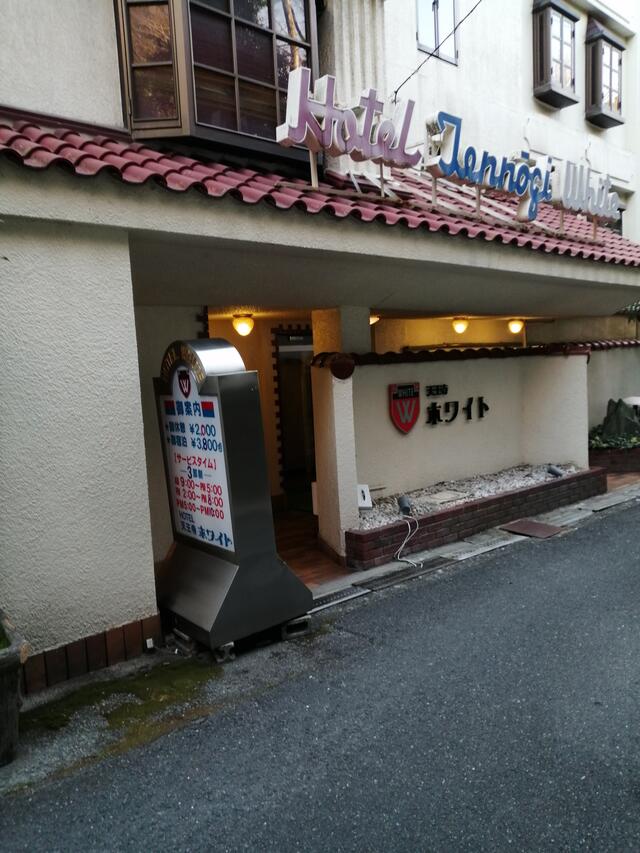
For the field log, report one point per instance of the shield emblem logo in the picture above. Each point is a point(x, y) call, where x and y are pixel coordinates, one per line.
point(404, 405)
point(184, 381)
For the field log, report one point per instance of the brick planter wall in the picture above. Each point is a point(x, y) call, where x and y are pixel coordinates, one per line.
point(368, 548)
point(616, 461)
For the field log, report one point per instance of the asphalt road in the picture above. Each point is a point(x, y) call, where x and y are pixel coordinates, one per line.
point(492, 708)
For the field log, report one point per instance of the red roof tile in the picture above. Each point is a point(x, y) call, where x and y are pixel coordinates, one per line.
point(36, 145)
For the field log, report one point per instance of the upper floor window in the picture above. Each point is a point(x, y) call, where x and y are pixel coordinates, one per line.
point(604, 76)
point(554, 53)
point(153, 94)
point(436, 25)
point(215, 69)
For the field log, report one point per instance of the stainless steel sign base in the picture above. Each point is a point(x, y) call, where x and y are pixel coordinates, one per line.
point(215, 601)
point(225, 580)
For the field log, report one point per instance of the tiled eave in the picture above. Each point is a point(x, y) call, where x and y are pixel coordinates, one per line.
point(40, 143)
point(342, 365)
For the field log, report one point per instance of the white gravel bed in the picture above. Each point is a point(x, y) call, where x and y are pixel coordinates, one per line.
point(453, 492)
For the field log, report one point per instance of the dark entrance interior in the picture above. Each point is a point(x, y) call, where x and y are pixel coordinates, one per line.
point(294, 351)
point(295, 524)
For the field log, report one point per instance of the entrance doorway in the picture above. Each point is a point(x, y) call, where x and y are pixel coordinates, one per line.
point(295, 524)
point(293, 354)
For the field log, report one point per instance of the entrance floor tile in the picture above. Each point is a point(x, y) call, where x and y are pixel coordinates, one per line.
point(297, 544)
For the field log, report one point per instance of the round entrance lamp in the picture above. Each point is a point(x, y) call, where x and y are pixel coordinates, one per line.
point(460, 325)
point(373, 319)
point(243, 324)
point(516, 326)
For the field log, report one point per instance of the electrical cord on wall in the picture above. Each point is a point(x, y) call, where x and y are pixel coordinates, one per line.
point(411, 532)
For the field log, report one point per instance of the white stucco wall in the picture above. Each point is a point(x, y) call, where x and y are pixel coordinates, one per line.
point(538, 413)
point(612, 374)
point(344, 329)
point(76, 545)
point(555, 410)
point(392, 335)
point(61, 57)
point(335, 444)
point(156, 328)
point(583, 329)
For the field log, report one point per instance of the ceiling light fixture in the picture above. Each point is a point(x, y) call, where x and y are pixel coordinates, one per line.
point(516, 326)
point(243, 324)
point(460, 325)
point(373, 319)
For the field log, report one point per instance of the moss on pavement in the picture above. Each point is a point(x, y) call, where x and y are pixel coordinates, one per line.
point(144, 696)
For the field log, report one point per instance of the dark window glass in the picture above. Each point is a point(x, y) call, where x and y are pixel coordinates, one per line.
point(290, 56)
point(215, 99)
point(253, 10)
point(231, 71)
point(153, 92)
point(150, 34)
point(211, 35)
point(153, 95)
point(289, 18)
point(221, 5)
point(254, 53)
point(251, 97)
point(257, 110)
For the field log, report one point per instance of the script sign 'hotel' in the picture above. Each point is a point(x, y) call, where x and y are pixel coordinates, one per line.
point(314, 120)
point(364, 132)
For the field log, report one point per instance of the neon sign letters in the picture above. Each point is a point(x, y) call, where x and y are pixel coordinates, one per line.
point(570, 188)
point(531, 185)
point(573, 190)
point(364, 133)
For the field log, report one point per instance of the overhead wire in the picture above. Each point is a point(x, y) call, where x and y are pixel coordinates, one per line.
point(435, 50)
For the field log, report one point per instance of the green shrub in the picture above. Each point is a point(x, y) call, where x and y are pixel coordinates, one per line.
point(616, 442)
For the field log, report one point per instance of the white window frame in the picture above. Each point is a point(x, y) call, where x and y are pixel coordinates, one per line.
point(449, 50)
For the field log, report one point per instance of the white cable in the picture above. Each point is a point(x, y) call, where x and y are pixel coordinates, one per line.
point(410, 534)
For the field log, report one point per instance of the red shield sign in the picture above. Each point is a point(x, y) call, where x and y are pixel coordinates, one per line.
point(184, 381)
point(404, 405)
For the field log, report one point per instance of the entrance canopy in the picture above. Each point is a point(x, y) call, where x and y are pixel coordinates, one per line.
point(278, 242)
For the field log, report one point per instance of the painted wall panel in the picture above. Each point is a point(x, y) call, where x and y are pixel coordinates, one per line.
point(538, 413)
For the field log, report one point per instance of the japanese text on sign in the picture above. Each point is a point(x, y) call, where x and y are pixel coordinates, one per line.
point(447, 411)
point(196, 469)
